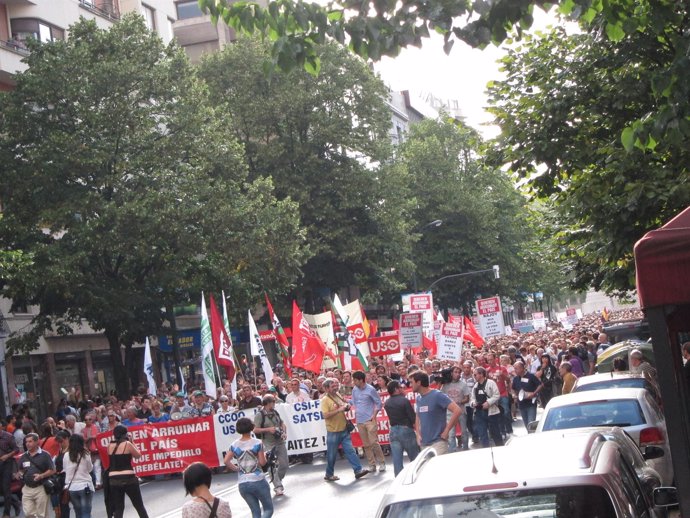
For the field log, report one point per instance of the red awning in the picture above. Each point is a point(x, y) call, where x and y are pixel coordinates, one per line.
point(662, 260)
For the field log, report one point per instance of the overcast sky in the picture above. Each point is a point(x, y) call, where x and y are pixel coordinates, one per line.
point(462, 75)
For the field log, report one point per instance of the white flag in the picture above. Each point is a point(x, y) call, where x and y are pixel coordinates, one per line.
point(148, 368)
point(257, 348)
point(226, 323)
point(207, 352)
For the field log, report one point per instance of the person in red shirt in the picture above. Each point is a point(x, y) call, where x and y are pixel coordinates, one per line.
point(90, 432)
point(500, 375)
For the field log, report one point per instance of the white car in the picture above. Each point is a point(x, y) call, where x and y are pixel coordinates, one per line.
point(632, 409)
point(613, 379)
point(575, 474)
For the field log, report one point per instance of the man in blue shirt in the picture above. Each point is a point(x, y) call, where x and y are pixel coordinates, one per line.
point(367, 404)
point(432, 407)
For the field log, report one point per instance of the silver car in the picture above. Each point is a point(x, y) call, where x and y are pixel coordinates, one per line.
point(580, 473)
point(613, 379)
point(633, 409)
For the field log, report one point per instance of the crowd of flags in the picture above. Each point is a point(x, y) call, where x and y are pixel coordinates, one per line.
point(345, 344)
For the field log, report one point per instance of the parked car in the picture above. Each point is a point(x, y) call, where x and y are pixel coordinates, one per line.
point(579, 473)
point(622, 350)
point(621, 330)
point(618, 380)
point(633, 409)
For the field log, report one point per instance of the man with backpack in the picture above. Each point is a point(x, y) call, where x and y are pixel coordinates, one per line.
point(270, 428)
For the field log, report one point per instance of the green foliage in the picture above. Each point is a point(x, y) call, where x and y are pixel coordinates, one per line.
point(575, 114)
point(128, 192)
point(324, 143)
point(485, 220)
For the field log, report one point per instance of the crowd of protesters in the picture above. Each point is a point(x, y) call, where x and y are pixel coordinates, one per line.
point(472, 401)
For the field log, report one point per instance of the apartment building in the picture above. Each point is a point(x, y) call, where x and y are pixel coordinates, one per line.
point(48, 20)
point(80, 360)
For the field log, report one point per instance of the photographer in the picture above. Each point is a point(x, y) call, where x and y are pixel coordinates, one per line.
point(487, 416)
point(270, 428)
point(458, 391)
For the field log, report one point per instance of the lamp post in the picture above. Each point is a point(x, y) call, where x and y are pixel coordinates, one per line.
point(495, 269)
point(432, 224)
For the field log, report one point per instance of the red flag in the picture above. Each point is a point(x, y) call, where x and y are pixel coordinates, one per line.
point(307, 347)
point(472, 334)
point(429, 344)
point(222, 345)
point(280, 337)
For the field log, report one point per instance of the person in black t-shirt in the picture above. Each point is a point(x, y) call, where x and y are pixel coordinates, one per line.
point(402, 418)
point(526, 387)
point(35, 466)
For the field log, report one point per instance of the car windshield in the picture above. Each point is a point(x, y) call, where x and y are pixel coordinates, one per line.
point(615, 412)
point(613, 383)
point(562, 502)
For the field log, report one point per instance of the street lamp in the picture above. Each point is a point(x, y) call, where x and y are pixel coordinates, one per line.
point(432, 224)
point(495, 269)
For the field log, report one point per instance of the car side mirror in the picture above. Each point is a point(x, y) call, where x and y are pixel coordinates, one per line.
point(532, 427)
point(652, 452)
point(665, 496)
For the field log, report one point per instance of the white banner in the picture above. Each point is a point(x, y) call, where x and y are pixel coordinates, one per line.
point(322, 324)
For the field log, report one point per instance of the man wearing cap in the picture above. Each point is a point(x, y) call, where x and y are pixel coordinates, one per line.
point(270, 428)
point(201, 407)
point(180, 407)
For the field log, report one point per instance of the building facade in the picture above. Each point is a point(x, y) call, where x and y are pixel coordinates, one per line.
point(80, 361)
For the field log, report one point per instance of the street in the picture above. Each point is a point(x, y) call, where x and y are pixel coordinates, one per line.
point(305, 490)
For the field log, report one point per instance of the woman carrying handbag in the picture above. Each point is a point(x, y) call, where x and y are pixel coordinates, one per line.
point(79, 485)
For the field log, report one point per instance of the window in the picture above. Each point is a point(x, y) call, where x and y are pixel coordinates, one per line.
point(149, 17)
point(188, 9)
point(32, 28)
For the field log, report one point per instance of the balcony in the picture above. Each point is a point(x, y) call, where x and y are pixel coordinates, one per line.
point(105, 8)
point(11, 55)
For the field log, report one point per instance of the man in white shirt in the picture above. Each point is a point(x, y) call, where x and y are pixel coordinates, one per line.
point(296, 394)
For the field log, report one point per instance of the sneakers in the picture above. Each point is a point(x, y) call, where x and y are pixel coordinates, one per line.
point(382, 466)
point(279, 491)
point(372, 468)
point(361, 473)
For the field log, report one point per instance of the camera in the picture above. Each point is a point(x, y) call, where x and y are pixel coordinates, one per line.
point(442, 377)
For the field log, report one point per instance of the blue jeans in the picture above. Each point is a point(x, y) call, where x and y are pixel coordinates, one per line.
point(81, 500)
point(335, 439)
point(257, 494)
point(402, 438)
point(528, 414)
point(484, 424)
point(507, 424)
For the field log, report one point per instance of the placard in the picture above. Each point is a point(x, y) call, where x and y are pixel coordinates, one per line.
point(490, 317)
point(410, 330)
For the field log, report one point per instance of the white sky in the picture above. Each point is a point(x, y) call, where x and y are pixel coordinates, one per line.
point(462, 75)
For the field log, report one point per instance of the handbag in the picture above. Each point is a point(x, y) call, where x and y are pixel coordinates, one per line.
point(349, 425)
point(50, 484)
point(64, 496)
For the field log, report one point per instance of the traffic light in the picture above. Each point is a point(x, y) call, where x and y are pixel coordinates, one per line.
point(496, 271)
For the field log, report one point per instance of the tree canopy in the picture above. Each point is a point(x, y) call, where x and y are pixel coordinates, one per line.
point(323, 141)
point(563, 107)
point(127, 191)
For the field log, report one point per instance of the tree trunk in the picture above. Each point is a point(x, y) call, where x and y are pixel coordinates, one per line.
point(175, 343)
point(134, 378)
point(119, 372)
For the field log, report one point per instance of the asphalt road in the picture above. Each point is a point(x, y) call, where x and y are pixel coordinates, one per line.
point(305, 492)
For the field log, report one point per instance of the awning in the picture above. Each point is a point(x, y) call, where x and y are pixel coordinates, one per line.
point(662, 261)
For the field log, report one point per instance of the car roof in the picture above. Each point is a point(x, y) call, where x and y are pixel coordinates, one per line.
point(473, 471)
point(596, 395)
point(604, 376)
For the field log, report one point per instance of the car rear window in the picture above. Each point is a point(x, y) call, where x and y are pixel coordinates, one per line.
point(612, 383)
point(615, 412)
point(557, 502)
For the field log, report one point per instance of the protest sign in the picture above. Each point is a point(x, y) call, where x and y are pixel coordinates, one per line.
point(539, 321)
point(450, 345)
point(384, 345)
point(490, 317)
point(410, 330)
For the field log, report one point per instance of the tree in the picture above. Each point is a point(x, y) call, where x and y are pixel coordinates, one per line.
point(374, 28)
point(562, 108)
point(127, 191)
point(324, 143)
point(486, 221)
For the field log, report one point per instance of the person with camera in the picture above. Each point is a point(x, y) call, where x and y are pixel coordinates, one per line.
point(270, 428)
point(35, 468)
point(458, 391)
point(334, 408)
point(487, 416)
